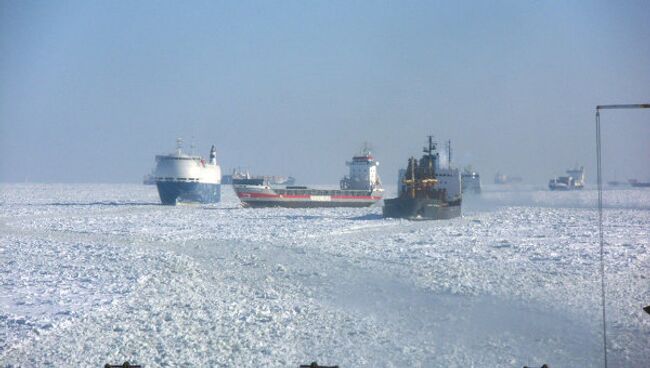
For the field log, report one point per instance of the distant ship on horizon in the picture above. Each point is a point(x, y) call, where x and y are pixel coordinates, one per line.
point(639, 184)
point(574, 180)
point(501, 179)
point(149, 179)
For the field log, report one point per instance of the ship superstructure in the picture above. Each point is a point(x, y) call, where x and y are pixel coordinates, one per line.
point(426, 190)
point(575, 179)
point(182, 177)
point(360, 188)
point(470, 181)
point(363, 172)
point(239, 173)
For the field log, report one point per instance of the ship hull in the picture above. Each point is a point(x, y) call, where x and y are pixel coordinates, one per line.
point(639, 184)
point(561, 188)
point(304, 204)
point(172, 192)
point(303, 198)
point(421, 209)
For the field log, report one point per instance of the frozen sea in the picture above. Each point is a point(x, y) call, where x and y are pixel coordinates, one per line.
point(98, 273)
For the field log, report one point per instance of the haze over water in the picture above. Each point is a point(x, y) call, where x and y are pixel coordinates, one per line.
point(91, 91)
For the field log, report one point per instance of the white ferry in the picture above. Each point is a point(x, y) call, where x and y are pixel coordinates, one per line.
point(181, 177)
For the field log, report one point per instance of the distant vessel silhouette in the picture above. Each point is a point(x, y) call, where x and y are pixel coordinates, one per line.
point(639, 184)
point(575, 179)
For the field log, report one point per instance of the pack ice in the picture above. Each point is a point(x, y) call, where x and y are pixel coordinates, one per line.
point(96, 274)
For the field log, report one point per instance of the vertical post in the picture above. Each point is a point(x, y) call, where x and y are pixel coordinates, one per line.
point(600, 208)
point(600, 230)
point(413, 178)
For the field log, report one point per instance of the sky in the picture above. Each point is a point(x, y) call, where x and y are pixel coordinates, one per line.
point(91, 91)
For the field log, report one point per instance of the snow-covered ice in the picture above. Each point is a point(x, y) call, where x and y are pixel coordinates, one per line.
point(101, 273)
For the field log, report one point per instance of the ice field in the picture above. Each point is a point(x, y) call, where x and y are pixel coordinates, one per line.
point(94, 274)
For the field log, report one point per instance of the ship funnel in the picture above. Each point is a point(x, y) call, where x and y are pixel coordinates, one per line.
point(213, 155)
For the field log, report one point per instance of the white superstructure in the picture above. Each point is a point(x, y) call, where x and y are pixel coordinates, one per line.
point(363, 173)
point(181, 167)
point(449, 179)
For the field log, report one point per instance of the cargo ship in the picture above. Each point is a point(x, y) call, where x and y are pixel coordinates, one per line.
point(426, 191)
point(361, 188)
point(574, 180)
point(182, 177)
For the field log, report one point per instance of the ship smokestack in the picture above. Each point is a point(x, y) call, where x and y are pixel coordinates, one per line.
point(213, 155)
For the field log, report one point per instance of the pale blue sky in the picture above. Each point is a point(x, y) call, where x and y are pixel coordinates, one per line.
point(91, 91)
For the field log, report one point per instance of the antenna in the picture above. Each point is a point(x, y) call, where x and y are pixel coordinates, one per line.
point(431, 148)
point(449, 153)
point(179, 144)
point(366, 148)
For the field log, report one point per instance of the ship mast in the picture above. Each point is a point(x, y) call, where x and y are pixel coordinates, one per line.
point(432, 147)
point(432, 158)
point(413, 164)
point(421, 176)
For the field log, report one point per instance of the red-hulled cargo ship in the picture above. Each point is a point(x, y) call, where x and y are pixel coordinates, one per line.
point(362, 188)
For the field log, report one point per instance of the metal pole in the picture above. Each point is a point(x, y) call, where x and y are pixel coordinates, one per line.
point(624, 106)
point(600, 208)
point(600, 231)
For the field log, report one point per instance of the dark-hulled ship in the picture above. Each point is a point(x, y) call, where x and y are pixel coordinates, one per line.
point(426, 191)
point(575, 180)
point(362, 188)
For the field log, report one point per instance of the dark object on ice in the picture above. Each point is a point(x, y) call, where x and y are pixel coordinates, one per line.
point(315, 365)
point(543, 366)
point(647, 309)
point(123, 365)
point(639, 184)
